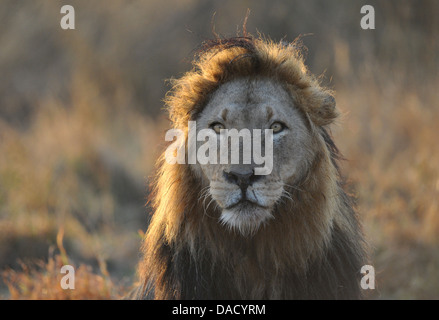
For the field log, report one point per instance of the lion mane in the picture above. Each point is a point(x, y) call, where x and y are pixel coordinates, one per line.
point(314, 247)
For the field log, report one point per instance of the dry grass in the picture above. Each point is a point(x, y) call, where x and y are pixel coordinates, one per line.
point(83, 170)
point(391, 146)
point(80, 128)
point(42, 281)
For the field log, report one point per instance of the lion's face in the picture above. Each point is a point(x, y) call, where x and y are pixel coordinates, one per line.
point(247, 200)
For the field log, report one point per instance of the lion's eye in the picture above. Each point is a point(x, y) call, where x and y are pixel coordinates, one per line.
point(217, 127)
point(277, 127)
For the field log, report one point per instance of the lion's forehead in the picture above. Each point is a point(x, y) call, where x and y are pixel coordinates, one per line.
point(249, 102)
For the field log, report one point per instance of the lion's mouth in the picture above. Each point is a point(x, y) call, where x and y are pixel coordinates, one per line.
point(244, 202)
point(246, 216)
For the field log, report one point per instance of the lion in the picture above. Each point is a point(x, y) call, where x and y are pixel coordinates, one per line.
point(219, 231)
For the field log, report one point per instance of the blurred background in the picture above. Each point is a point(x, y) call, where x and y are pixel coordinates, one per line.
point(81, 124)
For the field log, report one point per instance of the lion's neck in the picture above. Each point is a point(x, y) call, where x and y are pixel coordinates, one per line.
point(282, 260)
point(258, 266)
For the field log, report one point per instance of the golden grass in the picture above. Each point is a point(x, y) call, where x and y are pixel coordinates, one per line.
point(43, 282)
point(389, 137)
point(78, 168)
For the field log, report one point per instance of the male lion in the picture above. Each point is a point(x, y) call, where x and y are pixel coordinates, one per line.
point(291, 234)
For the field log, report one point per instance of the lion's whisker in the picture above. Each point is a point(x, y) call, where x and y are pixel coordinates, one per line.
point(285, 194)
point(294, 187)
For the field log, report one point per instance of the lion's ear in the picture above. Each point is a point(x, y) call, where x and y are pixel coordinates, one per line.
point(326, 112)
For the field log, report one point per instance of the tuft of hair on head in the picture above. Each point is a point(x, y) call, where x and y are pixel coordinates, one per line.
point(220, 60)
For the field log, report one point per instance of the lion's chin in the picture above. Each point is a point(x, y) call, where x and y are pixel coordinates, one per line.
point(245, 218)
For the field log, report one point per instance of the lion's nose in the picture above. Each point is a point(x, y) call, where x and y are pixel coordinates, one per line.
point(242, 179)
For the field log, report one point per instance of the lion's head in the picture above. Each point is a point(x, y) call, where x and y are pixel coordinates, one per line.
point(243, 83)
point(246, 199)
point(223, 231)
